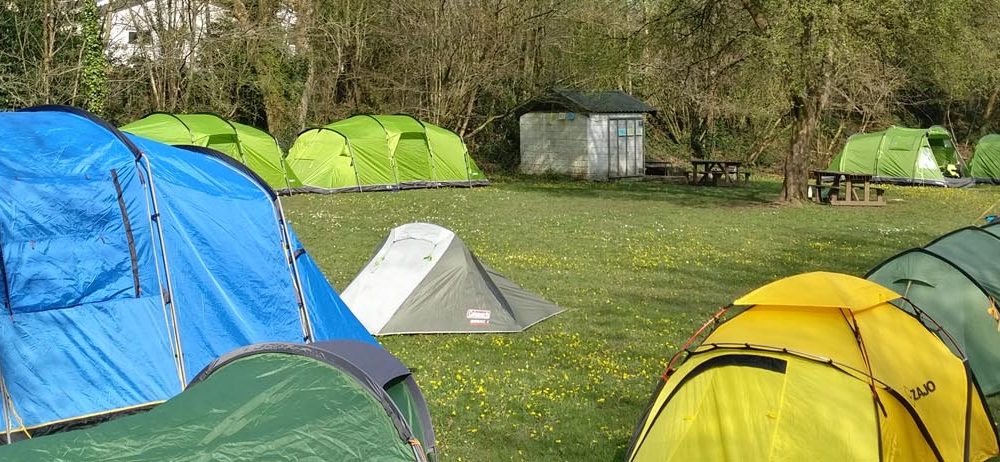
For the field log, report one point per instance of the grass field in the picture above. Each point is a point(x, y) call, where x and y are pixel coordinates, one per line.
point(638, 265)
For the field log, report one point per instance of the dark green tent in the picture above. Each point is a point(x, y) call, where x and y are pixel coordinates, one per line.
point(955, 300)
point(993, 228)
point(976, 251)
point(956, 280)
point(267, 402)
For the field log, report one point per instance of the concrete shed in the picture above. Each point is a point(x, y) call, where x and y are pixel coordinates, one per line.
point(592, 135)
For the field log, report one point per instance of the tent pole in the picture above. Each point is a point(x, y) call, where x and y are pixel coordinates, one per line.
point(431, 157)
point(465, 158)
point(293, 266)
point(354, 161)
point(878, 152)
point(239, 142)
point(159, 278)
point(284, 166)
point(6, 283)
point(6, 407)
point(852, 323)
point(167, 297)
point(9, 412)
point(391, 154)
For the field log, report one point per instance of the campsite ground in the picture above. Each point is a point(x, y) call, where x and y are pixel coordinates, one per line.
point(638, 265)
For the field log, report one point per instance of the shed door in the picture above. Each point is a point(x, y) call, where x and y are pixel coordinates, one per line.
point(625, 147)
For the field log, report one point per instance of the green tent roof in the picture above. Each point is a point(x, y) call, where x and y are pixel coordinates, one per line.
point(993, 228)
point(292, 403)
point(372, 152)
point(253, 147)
point(974, 250)
point(985, 163)
point(952, 298)
point(900, 155)
point(956, 280)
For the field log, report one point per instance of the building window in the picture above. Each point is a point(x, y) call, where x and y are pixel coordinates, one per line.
point(138, 37)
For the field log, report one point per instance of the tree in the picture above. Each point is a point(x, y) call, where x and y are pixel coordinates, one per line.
point(41, 52)
point(94, 79)
point(828, 53)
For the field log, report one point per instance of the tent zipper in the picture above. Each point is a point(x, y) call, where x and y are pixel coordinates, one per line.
point(129, 236)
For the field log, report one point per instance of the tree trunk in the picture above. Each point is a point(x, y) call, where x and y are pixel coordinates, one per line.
point(806, 110)
point(307, 90)
point(990, 105)
point(305, 14)
point(807, 107)
point(49, 39)
point(698, 130)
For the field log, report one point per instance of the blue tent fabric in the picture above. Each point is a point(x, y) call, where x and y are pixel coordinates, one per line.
point(329, 315)
point(213, 220)
point(116, 260)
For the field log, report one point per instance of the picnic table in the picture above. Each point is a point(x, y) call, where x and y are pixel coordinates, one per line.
point(717, 172)
point(845, 188)
point(657, 167)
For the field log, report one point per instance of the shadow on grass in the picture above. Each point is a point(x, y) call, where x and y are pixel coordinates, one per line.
point(756, 193)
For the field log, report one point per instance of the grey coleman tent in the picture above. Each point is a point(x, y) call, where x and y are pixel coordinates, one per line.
point(425, 280)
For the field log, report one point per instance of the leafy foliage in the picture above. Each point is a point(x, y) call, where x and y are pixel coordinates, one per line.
point(772, 82)
point(94, 79)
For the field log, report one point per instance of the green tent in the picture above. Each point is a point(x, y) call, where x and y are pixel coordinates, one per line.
point(902, 155)
point(985, 163)
point(992, 228)
point(955, 300)
point(956, 280)
point(253, 147)
point(375, 152)
point(265, 402)
point(975, 250)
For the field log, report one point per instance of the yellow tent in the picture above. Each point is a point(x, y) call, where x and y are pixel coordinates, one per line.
point(817, 367)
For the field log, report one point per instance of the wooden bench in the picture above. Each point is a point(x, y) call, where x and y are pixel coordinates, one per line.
point(845, 188)
point(879, 192)
point(657, 168)
point(717, 172)
point(834, 197)
point(822, 193)
point(733, 170)
point(667, 171)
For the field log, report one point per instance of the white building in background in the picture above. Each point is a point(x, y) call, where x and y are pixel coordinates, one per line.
point(142, 27)
point(592, 135)
point(134, 27)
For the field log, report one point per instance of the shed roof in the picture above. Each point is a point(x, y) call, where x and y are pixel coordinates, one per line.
point(614, 101)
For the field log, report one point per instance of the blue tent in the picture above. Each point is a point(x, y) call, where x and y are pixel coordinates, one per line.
point(127, 266)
